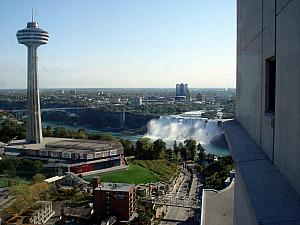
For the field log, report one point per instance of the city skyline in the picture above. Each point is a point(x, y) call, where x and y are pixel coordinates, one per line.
point(124, 45)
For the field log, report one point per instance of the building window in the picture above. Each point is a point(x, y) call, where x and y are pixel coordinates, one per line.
point(270, 84)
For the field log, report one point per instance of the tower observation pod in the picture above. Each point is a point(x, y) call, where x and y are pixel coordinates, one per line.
point(32, 37)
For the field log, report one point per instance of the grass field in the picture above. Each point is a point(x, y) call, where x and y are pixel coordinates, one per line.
point(135, 174)
point(4, 181)
point(140, 171)
point(163, 168)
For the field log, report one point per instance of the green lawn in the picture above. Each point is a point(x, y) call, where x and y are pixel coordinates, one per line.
point(4, 181)
point(163, 168)
point(135, 174)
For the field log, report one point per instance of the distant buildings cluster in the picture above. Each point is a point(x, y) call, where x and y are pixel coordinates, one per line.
point(182, 92)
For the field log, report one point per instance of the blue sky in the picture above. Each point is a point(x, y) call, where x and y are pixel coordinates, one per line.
point(123, 43)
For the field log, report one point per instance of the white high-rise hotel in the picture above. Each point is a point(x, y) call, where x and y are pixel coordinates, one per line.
point(32, 36)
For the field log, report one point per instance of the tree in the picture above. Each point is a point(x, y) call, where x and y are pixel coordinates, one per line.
point(8, 167)
point(81, 134)
point(144, 149)
point(23, 197)
point(38, 178)
point(59, 132)
point(48, 131)
point(107, 137)
point(128, 147)
point(183, 151)
point(26, 195)
point(190, 145)
point(176, 150)
point(10, 129)
point(201, 153)
point(169, 154)
point(159, 147)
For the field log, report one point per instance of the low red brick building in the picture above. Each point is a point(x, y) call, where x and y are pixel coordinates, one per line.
point(114, 199)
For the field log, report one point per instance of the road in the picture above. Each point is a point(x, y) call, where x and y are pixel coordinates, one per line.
point(182, 213)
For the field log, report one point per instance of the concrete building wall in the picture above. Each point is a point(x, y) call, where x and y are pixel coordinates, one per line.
point(266, 29)
point(269, 28)
point(249, 66)
point(287, 117)
point(243, 214)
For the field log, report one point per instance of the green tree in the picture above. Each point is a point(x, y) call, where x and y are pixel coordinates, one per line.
point(183, 151)
point(191, 145)
point(107, 137)
point(81, 134)
point(144, 149)
point(10, 129)
point(201, 153)
point(59, 132)
point(169, 154)
point(8, 167)
point(128, 147)
point(38, 178)
point(159, 147)
point(176, 149)
point(48, 131)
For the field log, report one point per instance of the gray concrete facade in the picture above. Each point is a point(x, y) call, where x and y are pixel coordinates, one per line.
point(32, 37)
point(268, 29)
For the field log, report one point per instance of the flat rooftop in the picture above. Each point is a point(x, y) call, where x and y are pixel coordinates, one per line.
point(217, 206)
point(114, 187)
point(66, 144)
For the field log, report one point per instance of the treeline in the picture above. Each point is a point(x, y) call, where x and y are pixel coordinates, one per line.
point(61, 132)
point(148, 150)
point(14, 166)
point(215, 172)
point(10, 129)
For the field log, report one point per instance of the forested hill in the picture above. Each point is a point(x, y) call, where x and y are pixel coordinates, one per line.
point(96, 119)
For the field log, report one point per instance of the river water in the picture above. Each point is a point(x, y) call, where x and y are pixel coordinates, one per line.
point(171, 128)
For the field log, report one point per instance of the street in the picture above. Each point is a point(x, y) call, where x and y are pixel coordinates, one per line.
point(183, 207)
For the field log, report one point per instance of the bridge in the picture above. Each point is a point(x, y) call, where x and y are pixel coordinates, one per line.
point(182, 204)
point(20, 113)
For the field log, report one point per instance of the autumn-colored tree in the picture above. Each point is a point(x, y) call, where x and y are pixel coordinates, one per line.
point(27, 195)
point(38, 178)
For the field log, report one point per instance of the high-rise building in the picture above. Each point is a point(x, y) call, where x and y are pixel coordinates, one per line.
point(265, 137)
point(183, 90)
point(177, 89)
point(32, 37)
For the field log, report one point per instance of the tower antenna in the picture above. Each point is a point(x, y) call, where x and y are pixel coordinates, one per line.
point(32, 15)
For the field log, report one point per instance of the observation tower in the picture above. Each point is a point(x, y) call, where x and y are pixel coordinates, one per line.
point(32, 37)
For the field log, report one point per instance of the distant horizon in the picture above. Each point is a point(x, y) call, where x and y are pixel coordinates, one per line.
point(107, 88)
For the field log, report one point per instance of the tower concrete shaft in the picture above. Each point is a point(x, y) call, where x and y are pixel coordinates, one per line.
point(32, 37)
point(34, 123)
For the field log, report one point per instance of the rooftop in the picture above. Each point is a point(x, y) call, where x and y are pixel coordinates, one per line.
point(67, 144)
point(217, 206)
point(115, 187)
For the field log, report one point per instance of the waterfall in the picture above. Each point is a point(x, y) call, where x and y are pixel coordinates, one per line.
point(183, 126)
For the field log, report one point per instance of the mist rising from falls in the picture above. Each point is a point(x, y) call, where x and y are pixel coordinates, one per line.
point(182, 127)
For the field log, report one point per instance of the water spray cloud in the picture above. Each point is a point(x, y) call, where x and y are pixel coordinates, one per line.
point(181, 127)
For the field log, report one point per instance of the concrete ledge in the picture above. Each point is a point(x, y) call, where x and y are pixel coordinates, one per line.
point(271, 197)
point(241, 146)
